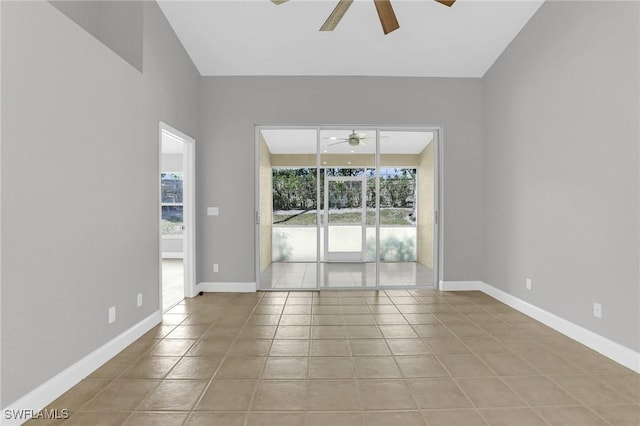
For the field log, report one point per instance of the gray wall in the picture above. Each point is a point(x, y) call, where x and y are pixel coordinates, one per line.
point(231, 106)
point(77, 119)
point(561, 166)
point(118, 24)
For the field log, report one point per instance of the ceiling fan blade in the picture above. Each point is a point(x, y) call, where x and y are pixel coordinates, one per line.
point(445, 2)
point(279, 1)
point(337, 143)
point(386, 15)
point(338, 12)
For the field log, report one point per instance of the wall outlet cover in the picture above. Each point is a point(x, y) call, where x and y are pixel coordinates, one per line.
point(139, 299)
point(112, 314)
point(597, 310)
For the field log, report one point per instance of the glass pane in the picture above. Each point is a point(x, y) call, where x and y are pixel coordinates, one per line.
point(294, 231)
point(345, 202)
point(294, 196)
point(349, 154)
point(371, 197)
point(172, 220)
point(398, 244)
point(294, 244)
point(288, 180)
point(345, 239)
point(342, 171)
point(397, 196)
point(171, 184)
point(406, 208)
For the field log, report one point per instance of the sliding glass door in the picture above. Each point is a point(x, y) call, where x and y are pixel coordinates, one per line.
point(346, 208)
point(344, 219)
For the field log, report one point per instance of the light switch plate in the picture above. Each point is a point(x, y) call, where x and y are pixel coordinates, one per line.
point(213, 211)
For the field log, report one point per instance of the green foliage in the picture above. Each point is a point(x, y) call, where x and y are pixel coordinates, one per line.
point(295, 188)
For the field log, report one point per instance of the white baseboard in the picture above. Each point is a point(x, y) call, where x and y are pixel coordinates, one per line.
point(461, 285)
point(613, 350)
point(220, 287)
point(44, 394)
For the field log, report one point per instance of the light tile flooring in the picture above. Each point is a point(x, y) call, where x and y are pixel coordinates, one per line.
point(172, 282)
point(365, 358)
point(290, 275)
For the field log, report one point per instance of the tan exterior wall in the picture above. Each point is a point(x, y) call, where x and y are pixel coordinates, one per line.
point(425, 207)
point(266, 204)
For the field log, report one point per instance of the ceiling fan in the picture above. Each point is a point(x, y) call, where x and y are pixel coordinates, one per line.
point(384, 8)
point(354, 139)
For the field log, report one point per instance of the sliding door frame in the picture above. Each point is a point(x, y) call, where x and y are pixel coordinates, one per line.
point(438, 222)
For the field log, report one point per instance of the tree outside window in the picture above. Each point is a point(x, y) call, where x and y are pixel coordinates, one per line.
point(172, 203)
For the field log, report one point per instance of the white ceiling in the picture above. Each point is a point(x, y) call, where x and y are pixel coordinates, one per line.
point(258, 37)
point(304, 141)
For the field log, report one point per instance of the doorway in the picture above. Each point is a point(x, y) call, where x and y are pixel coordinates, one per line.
point(341, 208)
point(344, 219)
point(176, 233)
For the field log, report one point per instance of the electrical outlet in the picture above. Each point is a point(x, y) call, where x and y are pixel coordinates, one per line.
point(112, 314)
point(139, 299)
point(528, 283)
point(215, 267)
point(597, 310)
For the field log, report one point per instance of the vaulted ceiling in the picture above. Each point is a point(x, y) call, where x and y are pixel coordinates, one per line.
point(258, 37)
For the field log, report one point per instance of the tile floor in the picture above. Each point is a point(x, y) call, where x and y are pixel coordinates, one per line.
point(301, 275)
point(358, 358)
